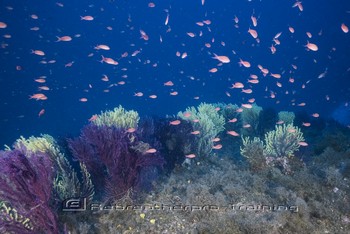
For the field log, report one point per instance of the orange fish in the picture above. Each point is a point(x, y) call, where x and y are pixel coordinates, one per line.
point(44, 88)
point(277, 35)
point(238, 85)
point(150, 151)
point(102, 47)
point(219, 146)
point(144, 36)
point(69, 64)
point(253, 81)
point(244, 63)
point(87, 18)
point(38, 52)
point(232, 133)
point(3, 25)
point(166, 20)
point(277, 42)
point(190, 34)
point(213, 70)
point(195, 132)
point(187, 114)
point(303, 143)
point(273, 49)
point(248, 106)
point(233, 120)
point(248, 91)
point(277, 76)
point(38, 96)
point(236, 19)
point(252, 100)
point(216, 139)
point(291, 130)
point(108, 60)
point(306, 124)
point(190, 155)
point(221, 58)
point(298, 4)
point(168, 83)
point(93, 118)
point(207, 22)
point(131, 130)
point(344, 28)
point(41, 112)
point(311, 46)
point(33, 16)
point(64, 38)
point(175, 122)
point(254, 21)
point(40, 80)
point(253, 33)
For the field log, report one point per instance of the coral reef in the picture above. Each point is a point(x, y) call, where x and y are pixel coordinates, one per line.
point(278, 147)
point(228, 111)
point(118, 117)
point(176, 142)
point(251, 117)
point(66, 183)
point(253, 150)
point(267, 121)
point(208, 199)
point(283, 141)
point(115, 159)
point(274, 188)
point(333, 136)
point(205, 119)
point(286, 116)
point(25, 191)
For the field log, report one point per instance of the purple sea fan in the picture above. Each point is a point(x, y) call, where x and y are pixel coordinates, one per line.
point(113, 157)
point(25, 190)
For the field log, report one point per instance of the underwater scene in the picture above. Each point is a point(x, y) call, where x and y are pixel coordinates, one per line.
point(174, 116)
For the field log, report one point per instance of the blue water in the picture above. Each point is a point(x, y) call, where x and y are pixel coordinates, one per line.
point(65, 114)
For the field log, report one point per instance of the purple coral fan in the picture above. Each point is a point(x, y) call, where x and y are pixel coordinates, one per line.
point(114, 158)
point(25, 190)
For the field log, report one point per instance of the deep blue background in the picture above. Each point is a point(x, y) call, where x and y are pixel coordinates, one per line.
point(65, 115)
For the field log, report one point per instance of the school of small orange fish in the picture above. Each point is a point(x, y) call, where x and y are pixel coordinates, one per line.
point(102, 53)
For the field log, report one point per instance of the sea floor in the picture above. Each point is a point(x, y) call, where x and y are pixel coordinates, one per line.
point(223, 195)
